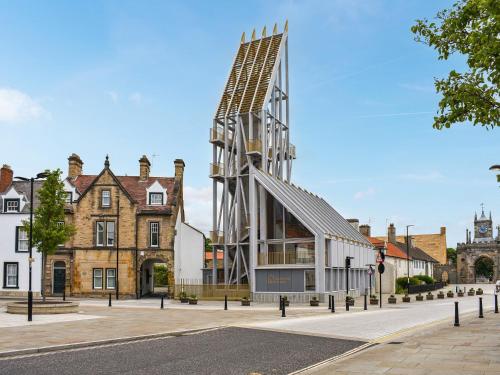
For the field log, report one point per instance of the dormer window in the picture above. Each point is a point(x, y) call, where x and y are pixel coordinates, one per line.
point(106, 198)
point(156, 199)
point(11, 205)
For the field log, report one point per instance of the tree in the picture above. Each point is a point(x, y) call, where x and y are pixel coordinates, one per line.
point(470, 28)
point(484, 267)
point(48, 233)
point(451, 255)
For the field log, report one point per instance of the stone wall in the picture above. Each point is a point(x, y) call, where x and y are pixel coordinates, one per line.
point(446, 273)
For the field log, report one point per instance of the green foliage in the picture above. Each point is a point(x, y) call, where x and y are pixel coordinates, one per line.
point(484, 267)
point(182, 295)
point(208, 244)
point(426, 279)
point(451, 255)
point(470, 28)
point(160, 275)
point(48, 234)
point(402, 282)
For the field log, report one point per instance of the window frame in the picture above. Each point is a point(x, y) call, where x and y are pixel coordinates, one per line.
point(6, 202)
point(305, 280)
point(107, 277)
point(102, 198)
point(70, 195)
point(18, 230)
point(97, 233)
point(108, 237)
point(151, 196)
point(151, 223)
point(6, 278)
point(94, 277)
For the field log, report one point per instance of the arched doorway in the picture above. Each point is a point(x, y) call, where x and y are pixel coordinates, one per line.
point(153, 277)
point(444, 276)
point(58, 277)
point(483, 269)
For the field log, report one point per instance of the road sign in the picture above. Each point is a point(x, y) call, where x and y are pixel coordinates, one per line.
point(379, 259)
point(381, 268)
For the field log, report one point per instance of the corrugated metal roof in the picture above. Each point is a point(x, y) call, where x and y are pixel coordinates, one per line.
point(299, 201)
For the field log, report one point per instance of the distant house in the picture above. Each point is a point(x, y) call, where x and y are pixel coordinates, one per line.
point(14, 242)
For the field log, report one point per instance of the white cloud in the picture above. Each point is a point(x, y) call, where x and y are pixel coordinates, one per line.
point(364, 194)
point(113, 95)
point(136, 97)
point(16, 106)
point(431, 176)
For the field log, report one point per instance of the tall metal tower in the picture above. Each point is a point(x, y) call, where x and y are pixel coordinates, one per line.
point(251, 127)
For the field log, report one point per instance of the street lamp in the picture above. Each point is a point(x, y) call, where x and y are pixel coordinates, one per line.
point(408, 255)
point(30, 259)
point(347, 268)
point(370, 273)
point(496, 168)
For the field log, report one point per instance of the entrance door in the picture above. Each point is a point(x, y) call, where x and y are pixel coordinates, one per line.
point(59, 277)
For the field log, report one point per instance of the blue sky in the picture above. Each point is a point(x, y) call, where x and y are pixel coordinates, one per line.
point(130, 78)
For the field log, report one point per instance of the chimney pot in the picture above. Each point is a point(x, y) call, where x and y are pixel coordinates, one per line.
point(365, 230)
point(75, 166)
point(6, 176)
point(144, 168)
point(391, 233)
point(179, 168)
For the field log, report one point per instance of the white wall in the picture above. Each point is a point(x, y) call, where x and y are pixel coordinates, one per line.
point(8, 223)
point(189, 246)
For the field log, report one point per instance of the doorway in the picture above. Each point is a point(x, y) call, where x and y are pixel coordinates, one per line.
point(59, 278)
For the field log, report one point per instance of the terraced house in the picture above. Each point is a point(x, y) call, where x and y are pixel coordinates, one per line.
point(124, 225)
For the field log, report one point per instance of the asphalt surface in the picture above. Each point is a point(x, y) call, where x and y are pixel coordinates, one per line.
point(223, 351)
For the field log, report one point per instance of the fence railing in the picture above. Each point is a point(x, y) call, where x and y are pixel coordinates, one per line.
point(424, 288)
point(210, 292)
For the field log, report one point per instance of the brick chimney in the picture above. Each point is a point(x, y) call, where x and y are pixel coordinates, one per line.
point(365, 230)
point(144, 168)
point(391, 233)
point(6, 175)
point(443, 231)
point(354, 223)
point(179, 168)
point(75, 166)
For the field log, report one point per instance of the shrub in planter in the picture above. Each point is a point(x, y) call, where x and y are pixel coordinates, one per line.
point(350, 300)
point(183, 297)
point(245, 301)
point(391, 299)
point(460, 293)
point(450, 294)
point(471, 292)
point(314, 301)
point(193, 300)
point(419, 297)
point(406, 298)
point(286, 301)
point(429, 296)
point(403, 282)
point(440, 295)
point(425, 279)
point(373, 300)
point(479, 291)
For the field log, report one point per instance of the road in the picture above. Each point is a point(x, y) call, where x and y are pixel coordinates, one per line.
point(221, 351)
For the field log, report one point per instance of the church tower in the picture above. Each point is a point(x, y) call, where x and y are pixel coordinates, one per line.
point(483, 228)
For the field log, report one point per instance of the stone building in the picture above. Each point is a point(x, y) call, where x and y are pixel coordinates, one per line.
point(124, 225)
point(479, 253)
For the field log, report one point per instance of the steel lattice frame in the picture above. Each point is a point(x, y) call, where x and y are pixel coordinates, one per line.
point(250, 127)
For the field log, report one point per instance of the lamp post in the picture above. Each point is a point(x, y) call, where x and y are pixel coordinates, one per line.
point(408, 255)
point(370, 273)
point(347, 268)
point(30, 258)
point(496, 168)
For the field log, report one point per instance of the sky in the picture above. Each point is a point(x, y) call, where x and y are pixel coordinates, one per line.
point(128, 78)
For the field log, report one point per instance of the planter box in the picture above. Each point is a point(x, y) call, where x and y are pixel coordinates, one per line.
point(314, 302)
point(184, 300)
point(450, 294)
point(470, 294)
point(419, 298)
point(440, 295)
point(350, 302)
point(460, 294)
point(245, 302)
point(391, 300)
point(406, 299)
point(193, 301)
point(429, 297)
point(373, 301)
point(479, 292)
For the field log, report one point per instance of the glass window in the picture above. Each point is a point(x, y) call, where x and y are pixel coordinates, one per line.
point(294, 228)
point(105, 198)
point(60, 224)
point(110, 233)
point(154, 230)
point(11, 275)
point(274, 218)
point(11, 205)
point(156, 198)
point(69, 197)
point(110, 278)
point(275, 253)
point(22, 240)
point(310, 281)
point(100, 233)
point(97, 283)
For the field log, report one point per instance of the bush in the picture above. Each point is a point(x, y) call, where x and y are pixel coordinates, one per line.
point(402, 282)
point(426, 279)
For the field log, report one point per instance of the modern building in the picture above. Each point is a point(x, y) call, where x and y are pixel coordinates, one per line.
point(14, 242)
point(478, 258)
point(124, 226)
point(276, 237)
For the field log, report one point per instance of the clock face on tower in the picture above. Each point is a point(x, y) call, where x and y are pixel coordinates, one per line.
point(483, 229)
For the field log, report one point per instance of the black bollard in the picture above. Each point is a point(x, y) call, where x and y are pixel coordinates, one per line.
point(283, 314)
point(481, 307)
point(225, 302)
point(366, 306)
point(346, 303)
point(64, 294)
point(333, 304)
point(280, 302)
point(457, 323)
point(109, 302)
point(329, 301)
point(161, 306)
point(496, 303)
